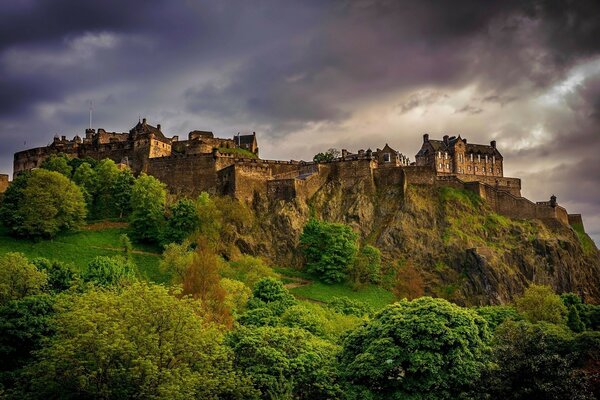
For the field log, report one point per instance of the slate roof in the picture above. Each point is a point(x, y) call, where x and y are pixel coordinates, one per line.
point(440, 145)
point(143, 127)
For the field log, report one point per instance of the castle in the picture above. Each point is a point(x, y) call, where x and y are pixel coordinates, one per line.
point(233, 167)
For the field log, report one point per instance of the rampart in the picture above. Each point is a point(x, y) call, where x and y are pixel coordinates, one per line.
point(3, 183)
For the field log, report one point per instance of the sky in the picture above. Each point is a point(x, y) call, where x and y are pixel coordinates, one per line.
point(310, 75)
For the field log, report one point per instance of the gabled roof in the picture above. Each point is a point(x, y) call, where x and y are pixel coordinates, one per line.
point(440, 145)
point(143, 127)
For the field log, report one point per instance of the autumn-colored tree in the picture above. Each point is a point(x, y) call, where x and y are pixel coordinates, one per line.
point(201, 280)
point(408, 282)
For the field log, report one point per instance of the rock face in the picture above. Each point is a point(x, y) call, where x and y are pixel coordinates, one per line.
point(463, 251)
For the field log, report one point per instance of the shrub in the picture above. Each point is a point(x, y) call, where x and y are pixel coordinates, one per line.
point(60, 275)
point(109, 271)
point(540, 303)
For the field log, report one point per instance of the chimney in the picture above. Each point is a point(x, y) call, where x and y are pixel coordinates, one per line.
point(158, 126)
point(493, 143)
point(426, 138)
point(63, 138)
point(175, 138)
point(144, 121)
point(446, 139)
point(344, 153)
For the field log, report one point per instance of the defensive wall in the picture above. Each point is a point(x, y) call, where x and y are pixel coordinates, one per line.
point(3, 183)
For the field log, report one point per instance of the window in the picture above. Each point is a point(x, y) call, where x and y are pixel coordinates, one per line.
point(446, 155)
point(471, 156)
point(459, 170)
point(439, 154)
point(460, 157)
point(491, 170)
point(447, 166)
point(386, 157)
point(493, 159)
point(440, 166)
point(486, 158)
point(478, 157)
point(475, 169)
point(469, 168)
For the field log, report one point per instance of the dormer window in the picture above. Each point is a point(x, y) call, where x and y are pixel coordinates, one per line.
point(386, 157)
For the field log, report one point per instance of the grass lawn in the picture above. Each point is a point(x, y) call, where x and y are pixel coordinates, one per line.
point(79, 248)
point(375, 296)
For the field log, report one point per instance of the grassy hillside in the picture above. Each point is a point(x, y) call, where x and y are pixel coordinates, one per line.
point(79, 248)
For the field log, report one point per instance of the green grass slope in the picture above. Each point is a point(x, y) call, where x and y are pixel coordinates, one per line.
point(79, 248)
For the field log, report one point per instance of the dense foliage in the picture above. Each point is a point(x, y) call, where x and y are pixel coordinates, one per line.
point(42, 203)
point(148, 199)
point(329, 248)
point(426, 346)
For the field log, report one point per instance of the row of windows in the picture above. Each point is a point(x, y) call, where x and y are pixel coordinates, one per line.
point(471, 156)
point(470, 169)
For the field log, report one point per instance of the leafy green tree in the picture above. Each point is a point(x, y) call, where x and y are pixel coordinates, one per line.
point(347, 306)
point(540, 303)
point(211, 218)
point(495, 315)
point(19, 277)
point(60, 275)
point(139, 342)
point(176, 259)
point(148, 199)
point(109, 271)
point(421, 349)
point(11, 201)
point(574, 321)
point(76, 162)
point(58, 163)
point(535, 361)
point(121, 192)
point(247, 269)
point(329, 249)
point(237, 296)
point(270, 292)
point(366, 267)
point(43, 203)
point(107, 173)
point(24, 324)
point(182, 221)
point(329, 155)
point(87, 179)
point(271, 355)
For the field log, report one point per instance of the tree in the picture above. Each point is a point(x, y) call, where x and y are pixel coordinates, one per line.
point(148, 199)
point(202, 281)
point(574, 321)
point(237, 295)
point(109, 271)
point(43, 203)
point(271, 355)
point(329, 155)
point(329, 249)
point(247, 269)
point(60, 275)
point(366, 267)
point(19, 277)
point(535, 361)
point(107, 173)
point(139, 342)
point(540, 303)
point(121, 192)
point(87, 179)
point(425, 348)
point(182, 221)
point(408, 282)
point(58, 163)
point(496, 315)
point(210, 218)
point(24, 324)
point(176, 259)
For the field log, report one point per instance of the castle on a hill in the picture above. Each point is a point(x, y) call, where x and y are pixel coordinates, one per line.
point(233, 167)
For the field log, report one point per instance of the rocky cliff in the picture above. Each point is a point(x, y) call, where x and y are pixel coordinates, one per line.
point(462, 250)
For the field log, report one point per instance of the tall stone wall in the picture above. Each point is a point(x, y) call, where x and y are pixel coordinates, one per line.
point(190, 174)
point(575, 219)
point(419, 175)
point(3, 183)
point(511, 185)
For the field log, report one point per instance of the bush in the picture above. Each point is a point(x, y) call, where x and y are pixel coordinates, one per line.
point(329, 249)
point(42, 203)
point(425, 347)
point(495, 315)
point(347, 306)
point(19, 278)
point(540, 303)
point(109, 271)
point(60, 275)
point(247, 269)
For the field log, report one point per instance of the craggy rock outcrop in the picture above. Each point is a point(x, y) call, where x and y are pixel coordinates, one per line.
point(463, 250)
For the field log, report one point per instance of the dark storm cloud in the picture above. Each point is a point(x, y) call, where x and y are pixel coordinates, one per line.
point(298, 68)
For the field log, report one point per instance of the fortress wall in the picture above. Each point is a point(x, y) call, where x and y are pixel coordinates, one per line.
point(511, 185)
point(389, 176)
point(575, 219)
point(190, 174)
point(226, 181)
point(3, 183)
point(419, 175)
point(250, 178)
point(281, 189)
point(351, 172)
point(544, 211)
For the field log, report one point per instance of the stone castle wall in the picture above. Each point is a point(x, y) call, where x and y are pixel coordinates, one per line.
point(3, 183)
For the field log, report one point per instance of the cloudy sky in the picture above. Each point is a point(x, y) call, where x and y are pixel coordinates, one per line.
point(310, 75)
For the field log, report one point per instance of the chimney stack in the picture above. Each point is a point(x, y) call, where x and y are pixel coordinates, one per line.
point(426, 138)
point(158, 126)
point(446, 139)
point(493, 143)
point(144, 121)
